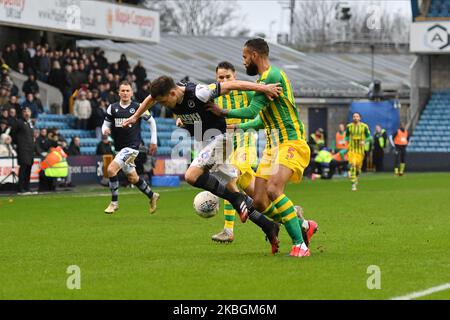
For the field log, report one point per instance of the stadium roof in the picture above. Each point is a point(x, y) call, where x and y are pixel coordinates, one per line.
point(312, 74)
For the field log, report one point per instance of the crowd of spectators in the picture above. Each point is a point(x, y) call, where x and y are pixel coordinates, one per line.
point(86, 80)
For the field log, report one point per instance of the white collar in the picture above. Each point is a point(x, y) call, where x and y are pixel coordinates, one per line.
point(124, 106)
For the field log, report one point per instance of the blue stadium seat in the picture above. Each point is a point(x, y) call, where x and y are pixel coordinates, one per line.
point(164, 151)
point(88, 150)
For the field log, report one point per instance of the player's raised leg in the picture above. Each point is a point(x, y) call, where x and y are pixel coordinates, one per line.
point(203, 179)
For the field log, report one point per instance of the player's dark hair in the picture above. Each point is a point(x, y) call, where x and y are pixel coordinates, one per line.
point(225, 65)
point(359, 114)
point(259, 45)
point(161, 86)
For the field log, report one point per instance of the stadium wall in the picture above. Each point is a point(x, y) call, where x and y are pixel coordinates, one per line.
point(440, 71)
point(420, 88)
point(421, 161)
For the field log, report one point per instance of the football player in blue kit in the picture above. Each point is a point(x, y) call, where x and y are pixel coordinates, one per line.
point(210, 169)
point(126, 141)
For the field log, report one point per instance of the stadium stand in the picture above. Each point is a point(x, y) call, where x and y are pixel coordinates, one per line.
point(88, 141)
point(312, 75)
point(432, 132)
point(439, 8)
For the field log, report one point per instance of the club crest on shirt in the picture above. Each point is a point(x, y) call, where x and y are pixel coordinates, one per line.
point(132, 110)
point(191, 103)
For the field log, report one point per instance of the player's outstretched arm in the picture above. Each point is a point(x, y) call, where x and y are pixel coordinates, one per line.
point(250, 112)
point(106, 126)
point(271, 90)
point(254, 124)
point(153, 133)
point(144, 106)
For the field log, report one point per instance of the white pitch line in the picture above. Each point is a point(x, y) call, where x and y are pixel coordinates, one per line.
point(423, 293)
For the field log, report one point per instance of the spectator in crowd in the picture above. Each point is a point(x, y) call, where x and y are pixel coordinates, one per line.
point(25, 58)
point(140, 73)
point(56, 76)
point(12, 115)
point(124, 66)
point(101, 60)
point(37, 99)
point(5, 114)
point(31, 49)
point(70, 71)
point(52, 138)
point(379, 143)
point(98, 115)
point(92, 96)
point(104, 146)
point(90, 82)
point(42, 144)
point(7, 56)
point(22, 130)
point(114, 69)
point(4, 126)
point(143, 91)
point(36, 134)
point(43, 65)
point(14, 56)
point(30, 103)
point(21, 68)
point(82, 110)
point(68, 87)
point(4, 96)
point(13, 103)
point(79, 77)
point(74, 147)
point(7, 83)
point(56, 139)
point(6, 149)
point(30, 85)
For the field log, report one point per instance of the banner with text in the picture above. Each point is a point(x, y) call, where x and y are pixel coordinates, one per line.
point(83, 17)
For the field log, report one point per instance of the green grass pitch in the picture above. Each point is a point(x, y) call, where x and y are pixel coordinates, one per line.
point(401, 225)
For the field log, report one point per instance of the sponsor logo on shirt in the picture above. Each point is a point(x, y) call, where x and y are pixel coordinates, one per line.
point(118, 122)
point(190, 118)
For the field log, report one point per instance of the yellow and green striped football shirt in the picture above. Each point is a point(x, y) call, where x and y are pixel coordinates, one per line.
point(236, 99)
point(355, 134)
point(280, 116)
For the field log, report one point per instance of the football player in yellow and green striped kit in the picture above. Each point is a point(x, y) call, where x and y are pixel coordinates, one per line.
point(286, 155)
point(357, 134)
point(244, 150)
